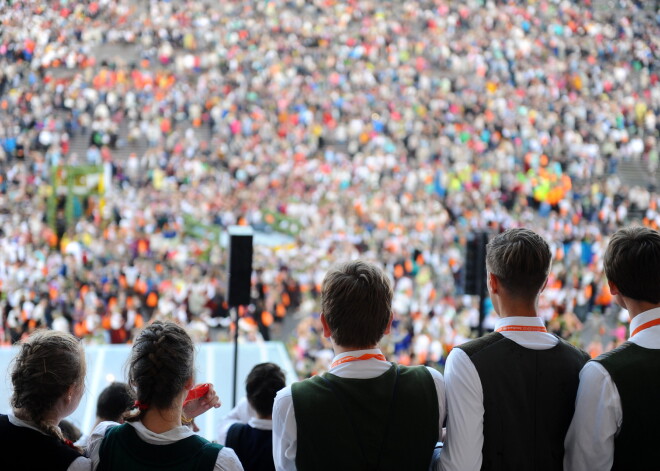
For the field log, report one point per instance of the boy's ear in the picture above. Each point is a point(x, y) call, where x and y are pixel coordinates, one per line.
point(326, 327)
point(492, 283)
point(613, 288)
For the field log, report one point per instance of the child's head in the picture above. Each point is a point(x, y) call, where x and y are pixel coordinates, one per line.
point(262, 385)
point(520, 259)
point(70, 431)
point(114, 401)
point(356, 300)
point(48, 379)
point(631, 263)
point(161, 363)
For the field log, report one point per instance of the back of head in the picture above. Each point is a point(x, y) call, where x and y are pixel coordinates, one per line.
point(161, 362)
point(356, 301)
point(632, 263)
point(520, 259)
point(114, 401)
point(70, 431)
point(262, 385)
point(48, 364)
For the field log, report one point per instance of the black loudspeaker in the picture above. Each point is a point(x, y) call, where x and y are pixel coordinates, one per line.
point(240, 265)
point(475, 264)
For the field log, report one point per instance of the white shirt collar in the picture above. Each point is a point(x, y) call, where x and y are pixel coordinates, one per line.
point(173, 435)
point(520, 320)
point(643, 318)
point(364, 369)
point(260, 424)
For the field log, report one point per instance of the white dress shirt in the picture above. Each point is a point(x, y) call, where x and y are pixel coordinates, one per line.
point(243, 413)
point(227, 459)
point(465, 397)
point(79, 464)
point(598, 414)
point(285, 442)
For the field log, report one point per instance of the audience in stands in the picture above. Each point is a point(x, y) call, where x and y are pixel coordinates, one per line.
point(351, 126)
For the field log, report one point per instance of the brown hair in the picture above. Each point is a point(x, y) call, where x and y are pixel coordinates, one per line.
point(520, 259)
point(161, 362)
point(47, 365)
point(356, 300)
point(632, 263)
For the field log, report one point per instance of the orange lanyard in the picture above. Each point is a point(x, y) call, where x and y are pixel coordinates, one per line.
point(521, 328)
point(646, 326)
point(366, 356)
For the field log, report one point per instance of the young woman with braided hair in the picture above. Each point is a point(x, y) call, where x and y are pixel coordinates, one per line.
point(156, 435)
point(48, 379)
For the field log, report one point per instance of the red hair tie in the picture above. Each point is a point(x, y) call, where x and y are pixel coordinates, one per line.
point(141, 405)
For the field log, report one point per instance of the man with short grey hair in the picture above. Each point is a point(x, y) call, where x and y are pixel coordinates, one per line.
point(511, 393)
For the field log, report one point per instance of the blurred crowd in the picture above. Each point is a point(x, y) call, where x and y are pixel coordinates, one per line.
point(386, 130)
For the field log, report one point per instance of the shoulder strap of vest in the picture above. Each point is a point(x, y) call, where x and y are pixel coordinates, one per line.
point(105, 459)
point(577, 350)
point(476, 345)
point(209, 455)
point(604, 357)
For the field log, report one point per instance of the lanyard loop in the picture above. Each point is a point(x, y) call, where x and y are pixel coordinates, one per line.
point(521, 328)
point(366, 356)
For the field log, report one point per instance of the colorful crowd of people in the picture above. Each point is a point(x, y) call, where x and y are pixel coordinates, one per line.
point(380, 129)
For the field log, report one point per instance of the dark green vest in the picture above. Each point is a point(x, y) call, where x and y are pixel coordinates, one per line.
point(635, 371)
point(366, 424)
point(529, 399)
point(123, 450)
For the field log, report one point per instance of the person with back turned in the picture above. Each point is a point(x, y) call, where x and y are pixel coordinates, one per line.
point(511, 393)
point(248, 429)
point(615, 425)
point(365, 413)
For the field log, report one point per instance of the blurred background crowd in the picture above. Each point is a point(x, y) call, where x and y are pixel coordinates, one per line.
point(387, 130)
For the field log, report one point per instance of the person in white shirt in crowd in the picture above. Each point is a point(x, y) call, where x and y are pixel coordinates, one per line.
point(615, 425)
point(510, 394)
point(48, 380)
point(161, 369)
point(365, 413)
point(248, 429)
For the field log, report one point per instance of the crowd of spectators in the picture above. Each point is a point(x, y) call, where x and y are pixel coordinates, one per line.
point(386, 130)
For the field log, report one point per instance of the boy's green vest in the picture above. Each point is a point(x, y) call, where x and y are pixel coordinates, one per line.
point(122, 449)
point(367, 424)
point(635, 371)
point(529, 399)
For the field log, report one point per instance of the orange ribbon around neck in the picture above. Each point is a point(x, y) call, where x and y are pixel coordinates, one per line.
point(521, 328)
point(366, 356)
point(645, 326)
